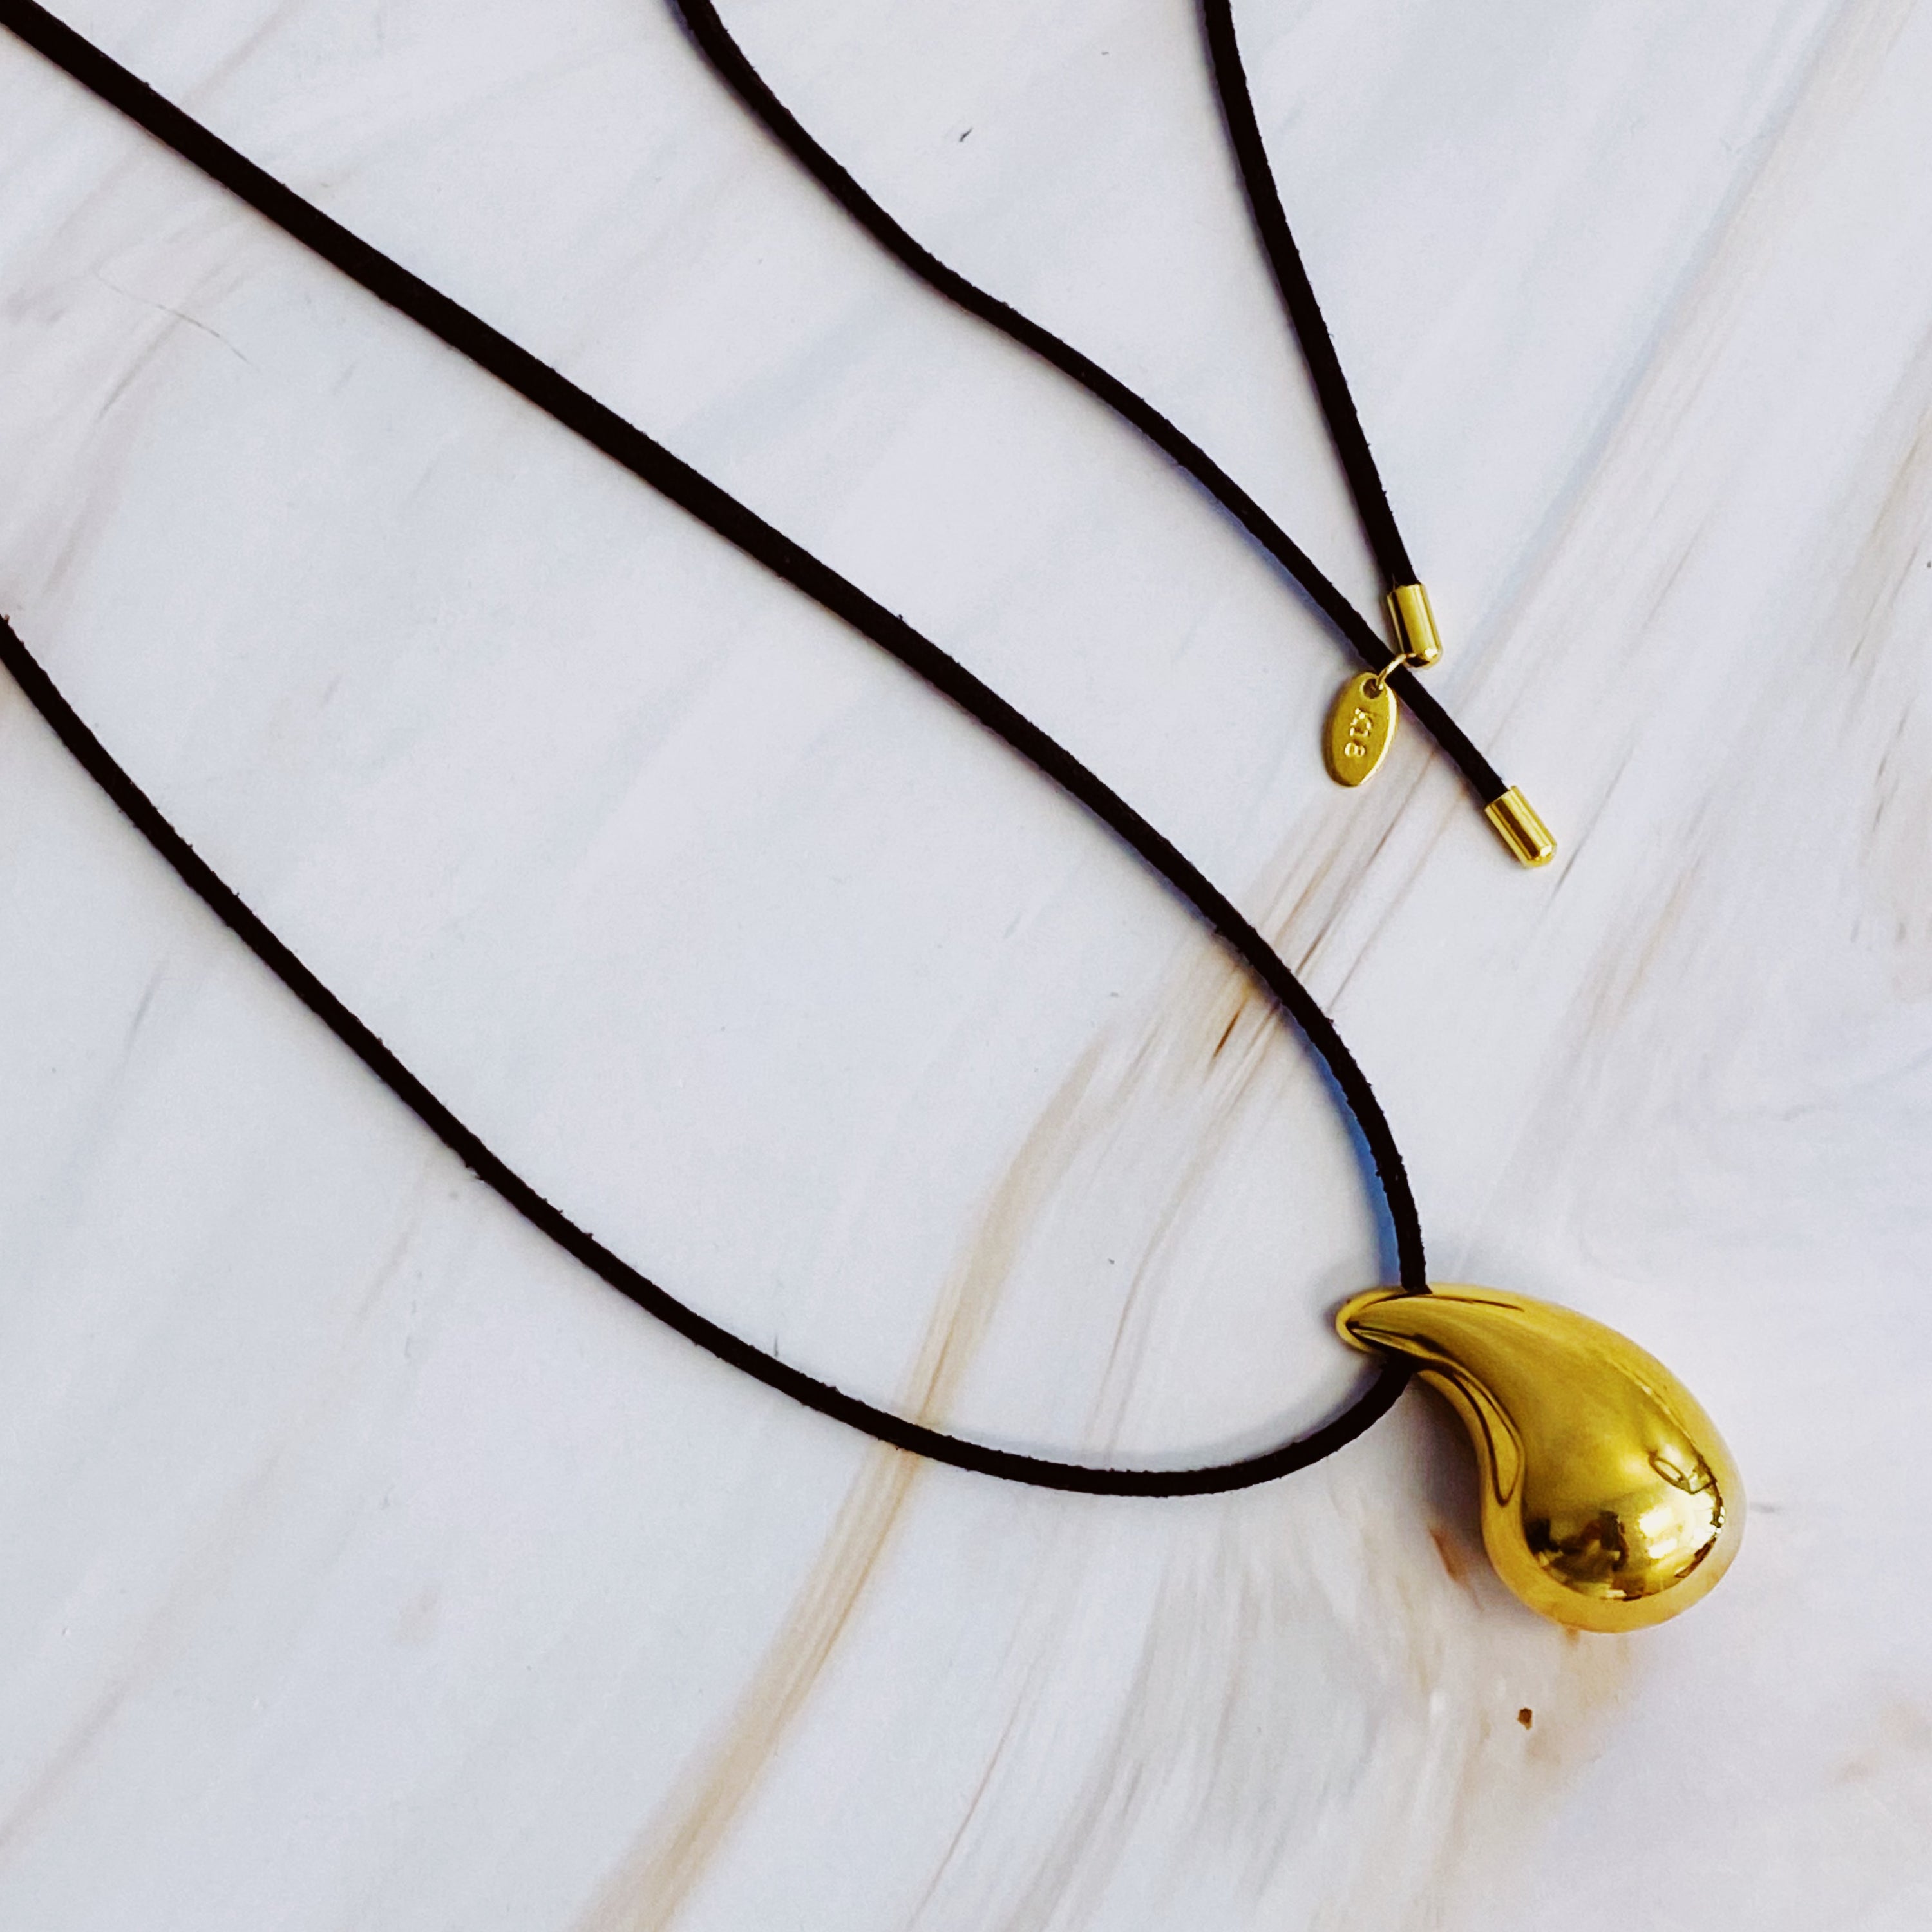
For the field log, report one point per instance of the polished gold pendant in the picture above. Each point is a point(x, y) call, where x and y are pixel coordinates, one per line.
point(1361, 727)
point(1609, 1501)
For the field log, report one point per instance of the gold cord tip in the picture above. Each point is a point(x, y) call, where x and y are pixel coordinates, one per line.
point(1414, 621)
point(1518, 826)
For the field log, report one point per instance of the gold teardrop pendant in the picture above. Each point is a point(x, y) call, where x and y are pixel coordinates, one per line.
point(1609, 1501)
point(1361, 727)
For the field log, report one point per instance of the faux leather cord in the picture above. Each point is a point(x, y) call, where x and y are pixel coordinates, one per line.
point(649, 460)
point(1298, 296)
point(728, 61)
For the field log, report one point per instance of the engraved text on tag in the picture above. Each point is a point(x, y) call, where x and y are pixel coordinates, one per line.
point(1361, 722)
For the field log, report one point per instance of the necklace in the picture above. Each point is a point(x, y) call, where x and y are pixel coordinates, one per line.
point(1609, 1501)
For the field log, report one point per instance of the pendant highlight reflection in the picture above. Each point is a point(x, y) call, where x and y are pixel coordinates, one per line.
point(1609, 1501)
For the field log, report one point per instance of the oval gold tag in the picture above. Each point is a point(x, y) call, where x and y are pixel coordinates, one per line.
point(1361, 723)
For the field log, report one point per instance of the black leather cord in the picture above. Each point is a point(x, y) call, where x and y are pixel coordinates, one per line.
point(727, 59)
point(1298, 296)
point(649, 461)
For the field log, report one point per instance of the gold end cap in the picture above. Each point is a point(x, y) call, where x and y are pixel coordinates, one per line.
point(1415, 620)
point(1518, 826)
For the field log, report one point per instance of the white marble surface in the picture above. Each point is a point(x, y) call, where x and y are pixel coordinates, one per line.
point(367, 1566)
